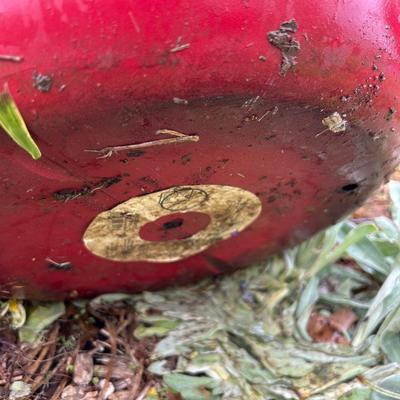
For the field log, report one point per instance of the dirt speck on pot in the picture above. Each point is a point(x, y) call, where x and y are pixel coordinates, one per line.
point(285, 41)
point(41, 82)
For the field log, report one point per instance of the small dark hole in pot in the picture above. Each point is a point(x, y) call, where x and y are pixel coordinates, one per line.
point(175, 223)
point(350, 187)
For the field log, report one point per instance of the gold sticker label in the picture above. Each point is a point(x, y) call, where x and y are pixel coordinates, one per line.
point(119, 234)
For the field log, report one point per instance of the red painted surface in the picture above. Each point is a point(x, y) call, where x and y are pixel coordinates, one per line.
point(114, 77)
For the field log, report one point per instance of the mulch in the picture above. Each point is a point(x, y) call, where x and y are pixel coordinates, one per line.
point(86, 355)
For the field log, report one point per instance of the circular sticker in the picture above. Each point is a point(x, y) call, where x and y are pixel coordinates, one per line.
point(171, 224)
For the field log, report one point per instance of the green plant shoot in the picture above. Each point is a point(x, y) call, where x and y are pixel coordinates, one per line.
point(12, 122)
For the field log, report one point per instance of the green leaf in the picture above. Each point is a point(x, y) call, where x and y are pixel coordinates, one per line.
point(158, 328)
point(190, 387)
point(305, 306)
point(366, 253)
point(388, 248)
point(357, 394)
point(387, 389)
point(12, 122)
point(307, 252)
point(332, 298)
point(40, 318)
point(389, 336)
point(394, 192)
point(329, 255)
point(386, 300)
point(387, 227)
point(108, 298)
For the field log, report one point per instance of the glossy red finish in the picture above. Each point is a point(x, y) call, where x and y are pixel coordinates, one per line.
point(116, 67)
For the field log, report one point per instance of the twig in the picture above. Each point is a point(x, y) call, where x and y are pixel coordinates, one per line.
point(48, 348)
point(11, 374)
point(43, 377)
point(34, 367)
point(111, 364)
point(320, 133)
point(6, 57)
point(136, 382)
point(123, 324)
point(60, 265)
point(330, 128)
point(179, 138)
point(144, 392)
point(60, 388)
point(179, 46)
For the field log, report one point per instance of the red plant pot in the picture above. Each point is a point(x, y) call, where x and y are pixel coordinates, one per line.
point(286, 120)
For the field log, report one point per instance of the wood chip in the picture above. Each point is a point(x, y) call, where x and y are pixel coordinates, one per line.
point(72, 393)
point(122, 395)
point(343, 319)
point(330, 329)
point(118, 371)
point(122, 384)
point(91, 396)
point(107, 388)
point(83, 369)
